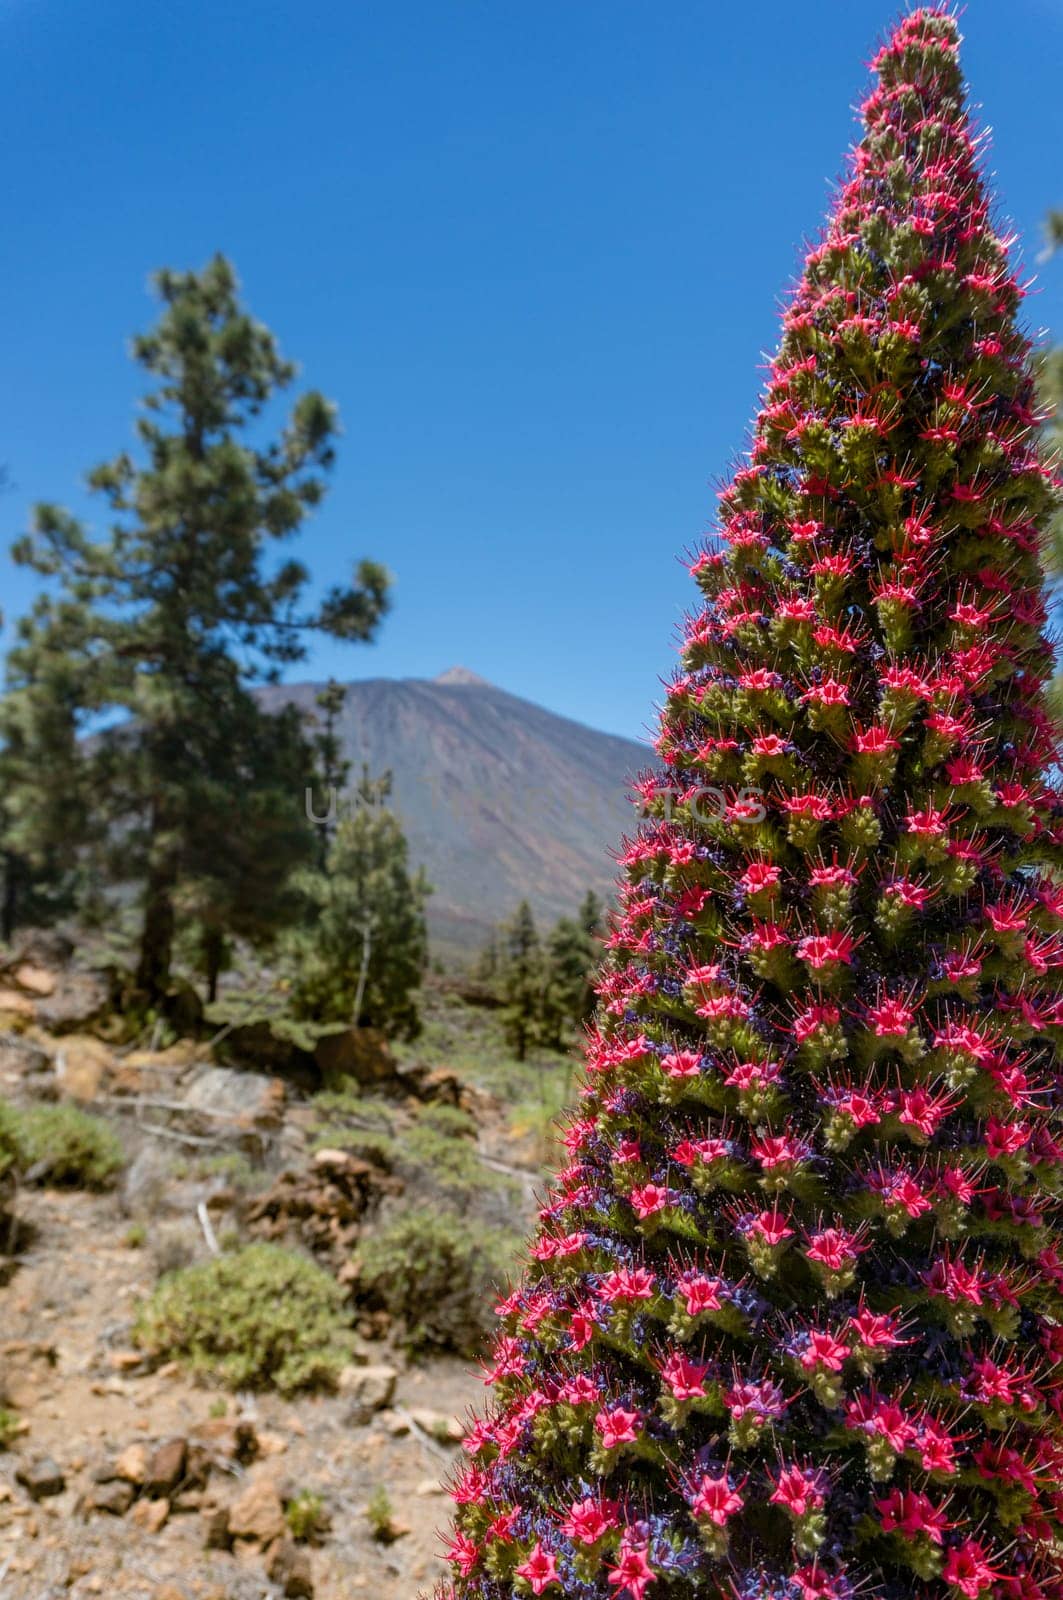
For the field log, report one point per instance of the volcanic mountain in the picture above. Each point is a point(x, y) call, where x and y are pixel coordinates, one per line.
point(500, 799)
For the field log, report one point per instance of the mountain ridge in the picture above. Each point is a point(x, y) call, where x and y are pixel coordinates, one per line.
point(500, 798)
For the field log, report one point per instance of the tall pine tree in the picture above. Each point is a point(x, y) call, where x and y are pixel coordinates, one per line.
point(178, 611)
point(793, 1319)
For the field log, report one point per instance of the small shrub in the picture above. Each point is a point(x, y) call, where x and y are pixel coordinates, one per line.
point(367, 1143)
point(136, 1236)
point(9, 1429)
point(381, 1515)
point(11, 1153)
point(262, 1317)
point(433, 1272)
point(218, 1408)
point(68, 1146)
point(306, 1516)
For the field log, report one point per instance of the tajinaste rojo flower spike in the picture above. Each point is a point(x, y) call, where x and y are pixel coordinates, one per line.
point(790, 1327)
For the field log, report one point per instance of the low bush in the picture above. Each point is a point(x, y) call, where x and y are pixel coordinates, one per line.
point(66, 1146)
point(434, 1273)
point(306, 1516)
point(11, 1156)
point(260, 1318)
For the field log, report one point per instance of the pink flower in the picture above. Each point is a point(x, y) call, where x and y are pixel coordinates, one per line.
point(834, 1248)
point(463, 1553)
point(876, 1332)
point(824, 1350)
point(891, 1019)
point(800, 1490)
point(684, 1377)
point(876, 741)
point(632, 1574)
point(699, 1292)
point(770, 1227)
point(910, 1514)
point(649, 1199)
point(540, 1569)
point(589, 1519)
point(628, 1284)
point(681, 1064)
point(823, 949)
point(617, 1427)
point(715, 1500)
point(968, 1570)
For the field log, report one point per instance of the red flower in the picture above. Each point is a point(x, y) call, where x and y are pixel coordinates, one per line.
point(540, 1569)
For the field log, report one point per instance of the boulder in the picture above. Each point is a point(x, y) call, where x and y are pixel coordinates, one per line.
point(40, 1477)
point(216, 1535)
point(113, 1497)
point(257, 1513)
point(359, 1054)
point(26, 1063)
point(322, 1206)
point(78, 999)
point(288, 1566)
point(368, 1388)
point(265, 1047)
point(166, 1468)
point(35, 980)
point(132, 1464)
point(247, 1099)
point(82, 1063)
point(150, 1515)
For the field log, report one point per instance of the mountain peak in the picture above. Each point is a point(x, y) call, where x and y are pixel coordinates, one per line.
point(458, 677)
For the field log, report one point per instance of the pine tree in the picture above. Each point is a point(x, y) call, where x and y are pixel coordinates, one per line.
point(178, 616)
point(793, 1320)
point(520, 981)
point(332, 766)
point(44, 796)
point(363, 950)
point(570, 959)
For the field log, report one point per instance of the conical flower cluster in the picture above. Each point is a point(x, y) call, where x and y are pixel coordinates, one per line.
point(792, 1324)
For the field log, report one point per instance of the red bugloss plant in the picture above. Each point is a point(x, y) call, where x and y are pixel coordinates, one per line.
point(792, 1323)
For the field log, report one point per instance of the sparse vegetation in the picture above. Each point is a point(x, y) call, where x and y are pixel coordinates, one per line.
point(67, 1147)
point(9, 1428)
point(10, 1143)
point(434, 1273)
point(260, 1318)
point(306, 1516)
point(381, 1515)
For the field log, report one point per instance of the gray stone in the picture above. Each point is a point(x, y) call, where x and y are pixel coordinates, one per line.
point(40, 1477)
point(114, 1497)
point(368, 1388)
point(247, 1099)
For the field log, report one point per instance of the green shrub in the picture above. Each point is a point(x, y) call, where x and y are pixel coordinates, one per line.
point(9, 1428)
point(366, 1143)
point(262, 1317)
point(68, 1146)
point(306, 1516)
point(11, 1153)
point(434, 1272)
point(381, 1515)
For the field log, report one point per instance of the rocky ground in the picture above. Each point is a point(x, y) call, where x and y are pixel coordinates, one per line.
point(128, 1479)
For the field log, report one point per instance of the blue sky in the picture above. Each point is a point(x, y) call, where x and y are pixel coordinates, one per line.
point(534, 251)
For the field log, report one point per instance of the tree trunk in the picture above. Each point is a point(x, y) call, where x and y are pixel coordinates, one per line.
point(156, 938)
point(363, 975)
point(9, 903)
point(213, 960)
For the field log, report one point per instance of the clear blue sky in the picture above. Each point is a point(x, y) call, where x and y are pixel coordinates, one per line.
point(533, 248)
